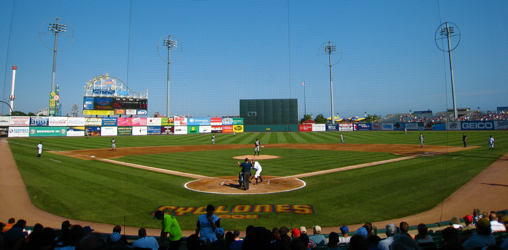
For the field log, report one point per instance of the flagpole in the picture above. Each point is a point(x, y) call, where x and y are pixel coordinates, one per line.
point(304, 99)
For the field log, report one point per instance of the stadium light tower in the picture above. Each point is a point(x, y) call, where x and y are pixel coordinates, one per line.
point(448, 32)
point(328, 50)
point(169, 45)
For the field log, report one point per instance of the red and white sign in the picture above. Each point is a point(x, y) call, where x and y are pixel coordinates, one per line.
point(180, 121)
point(227, 129)
point(19, 121)
point(154, 121)
point(305, 127)
point(216, 121)
point(345, 127)
point(57, 121)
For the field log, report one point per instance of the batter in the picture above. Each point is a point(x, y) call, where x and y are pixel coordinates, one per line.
point(258, 169)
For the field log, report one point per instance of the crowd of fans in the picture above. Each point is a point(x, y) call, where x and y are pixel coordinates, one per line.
point(477, 232)
point(489, 116)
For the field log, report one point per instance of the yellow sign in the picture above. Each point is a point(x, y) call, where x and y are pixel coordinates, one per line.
point(238, 128)
point(98, 112)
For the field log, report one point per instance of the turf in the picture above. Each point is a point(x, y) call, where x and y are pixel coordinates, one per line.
point(109, 193)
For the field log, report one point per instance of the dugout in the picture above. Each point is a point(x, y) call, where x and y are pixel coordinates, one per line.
point(269, 115)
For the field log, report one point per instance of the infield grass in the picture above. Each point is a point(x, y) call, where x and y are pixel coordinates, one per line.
point(110, 193)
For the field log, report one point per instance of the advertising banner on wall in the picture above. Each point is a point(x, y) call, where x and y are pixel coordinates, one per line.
point(398, 126)
point(167, 130)
point(362, 126)
point(75, 121)
point(154, 121)
point(198, 121)
point(36, 121)
point(93, 131)
point(180, 121)
point(109, 131)
point(93, 122)
point(205, 129)
point(227, 121)
point(4, 131)
point(318, 127)
point(19, 131)
point(440, 126)
point(58, 121)
point(453, 125)
point(20, 121)
point(109, 121)
point(139, 130)
point(411, 126)
point(153, 130)
point(192, 129)
point(130, 112)
point(428, 125)
point(167, 121)
point(98, 112)
point(124, 130)
point(48, 131)
point(305, 127)
point(376, 126)
point(88, 103)
point(217, 129)
point(216, 121)
point(332, 128)
point(142, 112)
point(227, 129)
point(238, 121)
point(180, 130)
point(345, 127)
point(131, 121)
point(119, 111)
point(5, 120)
point(501, 125)
point(386, 126)
point(485, 125)
point(238, 128)
point(104, 103)
point(76, 131)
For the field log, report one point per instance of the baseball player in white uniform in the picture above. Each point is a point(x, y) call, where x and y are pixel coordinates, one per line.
point(341, 138)
point(113, 145)
point(256, 146)
point(39, 149)
point(258, 169)
point(422, 139)
point(491, 143)
point(213, 139)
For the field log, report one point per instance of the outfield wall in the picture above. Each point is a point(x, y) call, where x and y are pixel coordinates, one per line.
point(26, 126)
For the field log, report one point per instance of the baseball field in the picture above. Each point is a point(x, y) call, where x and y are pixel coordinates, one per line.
point(309, 178)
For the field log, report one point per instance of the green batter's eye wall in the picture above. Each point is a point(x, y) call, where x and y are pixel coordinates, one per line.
point(263, 114)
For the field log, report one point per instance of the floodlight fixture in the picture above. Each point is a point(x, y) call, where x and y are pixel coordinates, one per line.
point(169, 44)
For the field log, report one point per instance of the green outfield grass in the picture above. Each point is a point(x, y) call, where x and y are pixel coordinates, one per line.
point(110, 193)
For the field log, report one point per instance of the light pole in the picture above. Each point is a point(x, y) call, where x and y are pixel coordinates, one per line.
point(169, 45)
point(447, 31)
point(328, 50)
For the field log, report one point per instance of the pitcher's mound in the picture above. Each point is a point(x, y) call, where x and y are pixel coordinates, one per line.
point(229, 185)
point(256, 158)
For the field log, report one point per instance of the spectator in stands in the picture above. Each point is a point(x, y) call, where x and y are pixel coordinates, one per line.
point(372, 239)
point(456, 222)
point(482, 237)
point(345, 238)
point(230, 238)
point(237, 243)
point(477, 214)
point(362, 231)
point(123, 239)
point(9, 225)
point(297, 244)
point(404, 229)
point(284, 237)
point(504, 219)
point(34, 237)
point(207, 223)
point(76, 233)
point(193, 242)
point(403, 241)
point(87, 230)
point(220, 243)
point(63, 233)
point(306, 241)
point(169, 225)
point(451, 240)
point(295, 233)
point(333, 240)
point(504, 244)
point(2, 225)
point(145, 241)
point(495, 225)
point(21, 224)
point(391, 230)
point(303, 230)
point(423, 236)
point(275, 232)
point(261, 238)
point(47, 238)
point(91, 242)
point(317, 238)
point(468, 220)
point(14, 239)
point(358, 242)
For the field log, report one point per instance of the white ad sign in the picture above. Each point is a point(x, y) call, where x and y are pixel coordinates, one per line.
point(76, 121)
point(411, 126)
point(110, 131)
point(19, 132)
point(19, 121)
point(502, 125)
point(180, 130)
point(387, 126)
point(345, 127)
point(154, 121)
point(453, 126)
point(93, 122)
point(58, 121)
point(139, 130)
point(130, 112)
point(318, 127)
point(4, 120)
point(205, 129)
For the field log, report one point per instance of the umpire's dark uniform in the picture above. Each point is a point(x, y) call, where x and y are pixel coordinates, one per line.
point(246, 166)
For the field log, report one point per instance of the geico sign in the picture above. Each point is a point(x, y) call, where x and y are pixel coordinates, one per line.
point(477, 125)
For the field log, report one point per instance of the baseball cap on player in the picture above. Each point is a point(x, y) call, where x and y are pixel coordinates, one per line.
point(246, 159)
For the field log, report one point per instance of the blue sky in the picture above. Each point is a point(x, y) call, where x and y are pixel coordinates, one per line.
point(234, 50)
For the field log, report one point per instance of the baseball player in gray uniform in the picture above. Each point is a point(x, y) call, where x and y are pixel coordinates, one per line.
point(422, 139)
point(113, 145)
point(256, 146)
point(213, 139)
point(39, 149)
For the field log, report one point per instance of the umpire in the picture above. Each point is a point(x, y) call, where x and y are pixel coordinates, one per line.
point(246, 166)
